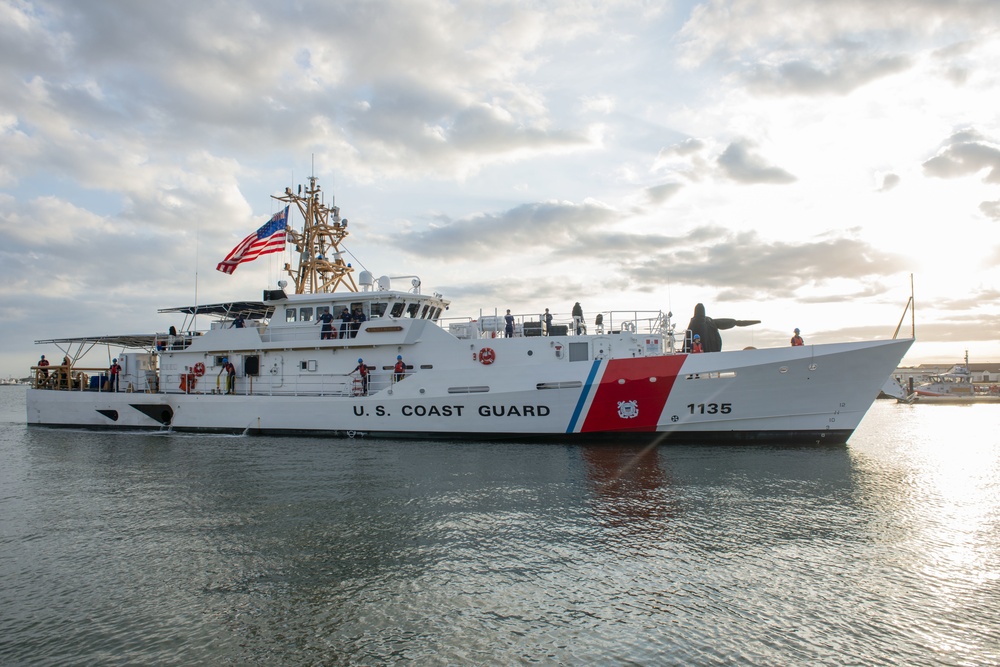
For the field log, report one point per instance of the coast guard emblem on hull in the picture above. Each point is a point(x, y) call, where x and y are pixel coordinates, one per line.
point(628, 409)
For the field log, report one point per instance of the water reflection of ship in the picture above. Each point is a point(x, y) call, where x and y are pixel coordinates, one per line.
point(630, 485)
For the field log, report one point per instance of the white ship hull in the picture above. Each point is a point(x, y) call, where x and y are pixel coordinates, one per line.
point(815, 393)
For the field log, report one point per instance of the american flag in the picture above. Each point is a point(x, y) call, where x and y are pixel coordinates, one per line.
point(269, 238)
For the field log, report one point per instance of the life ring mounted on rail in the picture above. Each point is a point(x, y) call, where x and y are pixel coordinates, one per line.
point(487, 356)
point(199, 369)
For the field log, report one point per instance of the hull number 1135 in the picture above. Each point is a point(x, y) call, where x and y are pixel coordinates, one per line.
point(710, 408)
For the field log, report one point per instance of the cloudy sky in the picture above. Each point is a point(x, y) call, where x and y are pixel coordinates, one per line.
point(788, 161)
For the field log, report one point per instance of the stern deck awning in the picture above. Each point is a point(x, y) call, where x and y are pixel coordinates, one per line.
point(143, 341)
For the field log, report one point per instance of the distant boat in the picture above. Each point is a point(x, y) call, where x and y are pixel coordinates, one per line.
point(892, 389)
point(954, 386)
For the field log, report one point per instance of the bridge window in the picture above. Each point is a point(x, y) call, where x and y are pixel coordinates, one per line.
point(290, 315)
point(397, 308)
point(412, 309)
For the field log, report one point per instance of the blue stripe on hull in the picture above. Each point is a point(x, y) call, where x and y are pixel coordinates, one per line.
point(583, 397)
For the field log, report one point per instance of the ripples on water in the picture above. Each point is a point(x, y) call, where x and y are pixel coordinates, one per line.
point(171, 549)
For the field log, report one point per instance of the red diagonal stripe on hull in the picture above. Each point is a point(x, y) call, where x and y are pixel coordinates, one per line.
point(650, 397)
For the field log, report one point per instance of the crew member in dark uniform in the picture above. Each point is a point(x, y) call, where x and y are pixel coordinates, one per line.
point(356, 319)
point(345, 322)
point(578, 317)
point(326, 332)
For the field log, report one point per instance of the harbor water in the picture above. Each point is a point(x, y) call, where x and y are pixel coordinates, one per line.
point(168, 549)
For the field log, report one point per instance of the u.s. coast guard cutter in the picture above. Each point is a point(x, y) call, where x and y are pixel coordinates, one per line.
point(393, 367)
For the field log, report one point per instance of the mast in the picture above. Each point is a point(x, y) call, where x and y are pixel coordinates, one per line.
point(321, 264)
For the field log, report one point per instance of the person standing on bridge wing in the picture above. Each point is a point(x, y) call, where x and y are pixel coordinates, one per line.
point(508, 327)
point(326, 333)
point(345, 322)
point(357, 319)
point(797, 339)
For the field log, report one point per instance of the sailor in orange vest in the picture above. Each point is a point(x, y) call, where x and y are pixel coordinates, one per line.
point(230, 371)
point(363, 369)
point(113, 372)
point(400, 369)
point(696, 344)
point(797, 339)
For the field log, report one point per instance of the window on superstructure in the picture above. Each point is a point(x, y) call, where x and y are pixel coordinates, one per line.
point(397, 309)
point(290, 315)
point(305, 314)
point(423, 313)
point(378, 309)
point(412, 309)
point(436, 315)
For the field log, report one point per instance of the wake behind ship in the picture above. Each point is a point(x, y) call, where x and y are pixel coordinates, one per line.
point(335, 357)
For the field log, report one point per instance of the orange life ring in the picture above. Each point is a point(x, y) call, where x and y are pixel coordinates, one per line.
point(199, 369)
point(487, 356)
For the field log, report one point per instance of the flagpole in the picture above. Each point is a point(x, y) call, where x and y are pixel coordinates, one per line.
point(197, 250)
